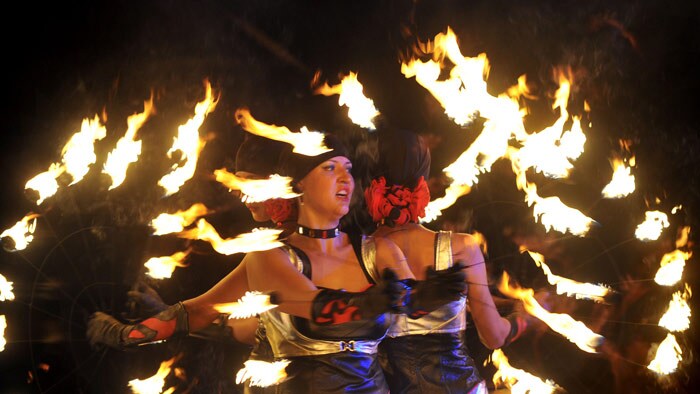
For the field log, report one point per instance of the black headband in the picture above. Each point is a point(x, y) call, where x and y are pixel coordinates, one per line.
point(296, 166)
point(258, 155)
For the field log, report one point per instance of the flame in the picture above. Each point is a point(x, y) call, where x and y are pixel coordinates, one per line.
point(22, 232)
point(570, 287)
point(464, 93)
point(361, 110)
point(435, 207)
point(517, 380)
point(155, 383)
point(167, 223)
point(188, 144)
point(252, 303)
point(258, 239)
point(622, 182)
point(571, 329)
point(668, 356)
point(677, 317)
point(255, 190)
point(3, 326)
point(554, 214)
point(6, 293)
point(163, 266)
point(653, 225)
point(128, 149)
point(262, 373)
point(309, 143)
point(77, 156)
point(671, 267)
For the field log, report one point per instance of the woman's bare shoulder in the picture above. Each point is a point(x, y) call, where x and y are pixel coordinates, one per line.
point(466, 246)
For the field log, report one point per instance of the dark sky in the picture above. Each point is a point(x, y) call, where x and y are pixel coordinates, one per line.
point(636, 64)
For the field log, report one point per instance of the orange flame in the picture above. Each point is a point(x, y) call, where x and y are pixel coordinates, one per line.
point(361, 110)
point(128, 149)
point(668, 356)
point(652, 226)
point(154, 384)
point(571, 329)
point(258, 239)
point(677, 316)
point(22, 233)
point(256, 190)
point(6, 293)
point(517, 380)
point(305, 142)
point(167, 223)
point(262, 373)
point(673, 263)
point(252, 303)
point(189, 144)
point(3, 326)
point(163, 266)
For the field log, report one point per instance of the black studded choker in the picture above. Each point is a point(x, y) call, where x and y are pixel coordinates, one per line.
point(316, 233)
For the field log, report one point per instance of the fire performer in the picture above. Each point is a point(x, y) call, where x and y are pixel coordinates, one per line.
point(429, 354)
point(328, 323)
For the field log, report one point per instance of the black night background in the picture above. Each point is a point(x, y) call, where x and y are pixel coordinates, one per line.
point(635, 63)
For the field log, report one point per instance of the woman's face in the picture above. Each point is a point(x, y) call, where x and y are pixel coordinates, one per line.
point(257, 209)
point(328, 187)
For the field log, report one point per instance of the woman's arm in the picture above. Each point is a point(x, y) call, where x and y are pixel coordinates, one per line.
point(494, 330)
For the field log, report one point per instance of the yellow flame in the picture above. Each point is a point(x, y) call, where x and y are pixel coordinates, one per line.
point(677, 316)
point(252, 303)
point(258, 239)
point(668, 356)
point(571, 287)
point(361, 110)
point(571, 329)
point(305, 142)
point(3, 326)
point(262, 373)
point(45, 183)
point(6, 293)
point(162, 267)
point(167, 223)
point(189, 144)
point(79, 152)
point(256, 190)
point(517, 380)
point(653, 225)
point(22, 233)
point(671, 267)
point(128, 149)
point(622, 182)
point(154, 384)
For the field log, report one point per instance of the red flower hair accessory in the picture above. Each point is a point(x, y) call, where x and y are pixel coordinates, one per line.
point(396, 204)
point(281, 210)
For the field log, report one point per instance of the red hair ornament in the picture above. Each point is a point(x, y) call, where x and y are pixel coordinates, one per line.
point(396, 204)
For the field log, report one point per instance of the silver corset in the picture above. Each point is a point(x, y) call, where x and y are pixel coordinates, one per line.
point(287, 341)
point(448, 318)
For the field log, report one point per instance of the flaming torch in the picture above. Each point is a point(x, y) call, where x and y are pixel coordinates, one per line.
point(154, 384)
point(262, 373)
point(21, 234)
point(3, 326)
point(167, 223)
point(517, 380)
point(673, 263)
point(256, 190)
point(258, 239)
point(6, 293)
point(668, 356)
point(163, 266)
point(252, 303)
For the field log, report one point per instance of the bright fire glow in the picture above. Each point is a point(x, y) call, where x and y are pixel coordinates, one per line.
point(262, 373)
point(252, 303)
point(305, 142)
point(154, 384)
point(517, 380)
point(361, 110)
point(3, 326)
point(622, 182)
point(45, 183)
point(677, 317)
point(668, 356)
point(256, 190)
point(571, 287)
point(258, 239)
point(128, 149)
point(6, 293)
point(571, 329)
point(22, 233)
point(671, 267)
point(162, 267)
point(653, 225)
point(167, 223)
point(189, 144)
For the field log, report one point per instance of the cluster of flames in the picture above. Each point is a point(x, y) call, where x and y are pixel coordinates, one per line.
point(464, 96)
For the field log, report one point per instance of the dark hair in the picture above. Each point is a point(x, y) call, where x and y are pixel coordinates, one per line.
point(258, 155)
point(296, 165)
point(404, 157)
